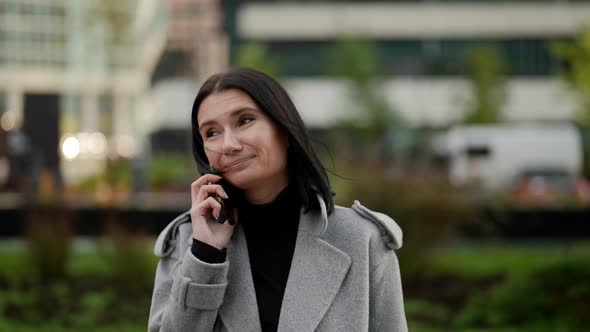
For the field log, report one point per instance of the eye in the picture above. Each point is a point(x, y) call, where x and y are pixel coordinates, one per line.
point(211, 132)
point(246, 119)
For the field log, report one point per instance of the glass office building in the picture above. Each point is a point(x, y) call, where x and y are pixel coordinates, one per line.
point(420, 46)
point(80, 67)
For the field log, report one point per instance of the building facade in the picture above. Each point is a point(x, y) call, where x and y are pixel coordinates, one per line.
point(196, 43)
point(80, 68)
point(421, 46)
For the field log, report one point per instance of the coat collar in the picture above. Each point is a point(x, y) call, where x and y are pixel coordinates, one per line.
point(315, 222)
point(316, 274)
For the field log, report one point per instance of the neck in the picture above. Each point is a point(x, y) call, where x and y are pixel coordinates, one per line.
point(267, 192)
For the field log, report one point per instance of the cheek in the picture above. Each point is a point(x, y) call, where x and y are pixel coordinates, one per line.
point(279, 151)
point(213, 159)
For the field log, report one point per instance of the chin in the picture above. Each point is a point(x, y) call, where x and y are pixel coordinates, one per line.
point(249, 178)
point(240, 180)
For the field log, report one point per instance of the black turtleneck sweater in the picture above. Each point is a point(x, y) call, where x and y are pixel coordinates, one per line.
point(271, 231)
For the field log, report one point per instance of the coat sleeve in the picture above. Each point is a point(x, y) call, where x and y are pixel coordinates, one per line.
point(386, 299)
point(187, 292)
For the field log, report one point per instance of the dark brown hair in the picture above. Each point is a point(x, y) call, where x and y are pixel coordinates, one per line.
point(305, 169)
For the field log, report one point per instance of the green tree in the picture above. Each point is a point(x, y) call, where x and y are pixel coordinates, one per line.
point(486, 70)
point(254, 55)
point(357, 61)
point(577, 74)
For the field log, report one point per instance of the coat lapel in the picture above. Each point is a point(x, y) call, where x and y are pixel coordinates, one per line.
point(316, 274)
point(239, 311)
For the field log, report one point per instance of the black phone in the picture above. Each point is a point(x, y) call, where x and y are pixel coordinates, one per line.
point(227, 205)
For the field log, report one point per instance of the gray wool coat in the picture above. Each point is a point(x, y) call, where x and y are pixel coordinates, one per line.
point(344, 276)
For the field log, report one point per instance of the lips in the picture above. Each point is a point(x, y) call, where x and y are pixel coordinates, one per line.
point(237, 163)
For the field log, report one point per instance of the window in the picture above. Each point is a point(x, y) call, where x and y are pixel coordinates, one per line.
point(71, 113)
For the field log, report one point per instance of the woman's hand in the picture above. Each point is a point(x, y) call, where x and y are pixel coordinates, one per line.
point(205, 230)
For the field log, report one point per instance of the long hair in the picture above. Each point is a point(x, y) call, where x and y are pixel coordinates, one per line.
point(304, 167)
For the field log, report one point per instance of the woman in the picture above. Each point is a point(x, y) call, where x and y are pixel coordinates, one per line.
point(293, 261)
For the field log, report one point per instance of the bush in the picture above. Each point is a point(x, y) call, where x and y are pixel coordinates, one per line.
point(49, 233)
point(111, 185)
point(426, 207)
point(554, 298)
point(130, 261)
point(43, 287)
point(171, 172)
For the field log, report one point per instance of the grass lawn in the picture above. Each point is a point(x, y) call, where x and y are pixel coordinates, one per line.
point(91, 297)
point(471, 262)
point(474, 261)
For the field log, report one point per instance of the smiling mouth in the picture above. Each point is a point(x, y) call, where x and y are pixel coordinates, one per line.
point(236, 163)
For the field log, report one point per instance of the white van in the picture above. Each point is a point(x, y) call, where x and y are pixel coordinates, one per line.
point(495, 155)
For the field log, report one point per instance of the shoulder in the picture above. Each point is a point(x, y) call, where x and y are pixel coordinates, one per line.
point(358, 219)
point(172, 235)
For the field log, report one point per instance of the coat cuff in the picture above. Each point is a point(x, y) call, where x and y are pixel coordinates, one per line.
point(200, 285)
point(203, 273)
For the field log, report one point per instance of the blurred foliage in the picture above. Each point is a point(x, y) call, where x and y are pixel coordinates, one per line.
point(113, 289)
point(49, 233)
point(472, 286)
point(370, 115)
point(577, 74)
point(576, 54)
point(354, 59)
point(426, 310)
point(114, 18)
point(377, 144)
point(511, 260)
point(256, 56)
point(170, 172)
point(486, 69)
point(119, 172)
point(111, 185)
point(93, 298)
point(127, 258)
point(427, 208)
point(167, 172)
point(551, 298)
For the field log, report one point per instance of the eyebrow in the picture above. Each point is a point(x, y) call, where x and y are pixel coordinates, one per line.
point(233, 113)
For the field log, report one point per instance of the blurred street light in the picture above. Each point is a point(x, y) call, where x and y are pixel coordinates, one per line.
point(70, 147)
point(84, 146)
point(126, 146)
point(96, 145)
point(8, 121)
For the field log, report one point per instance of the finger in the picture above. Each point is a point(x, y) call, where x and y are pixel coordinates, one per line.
point(205, 179)
point(202, 209)
point(209, 189)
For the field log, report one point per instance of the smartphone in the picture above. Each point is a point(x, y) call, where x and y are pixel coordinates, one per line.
point(227, 205)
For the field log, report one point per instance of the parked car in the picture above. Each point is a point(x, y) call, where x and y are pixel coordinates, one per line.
point(550, 188)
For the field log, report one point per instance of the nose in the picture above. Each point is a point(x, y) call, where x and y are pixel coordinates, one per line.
point(231, 143)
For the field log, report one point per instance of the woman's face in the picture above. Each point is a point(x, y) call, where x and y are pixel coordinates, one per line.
point(242, 141)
